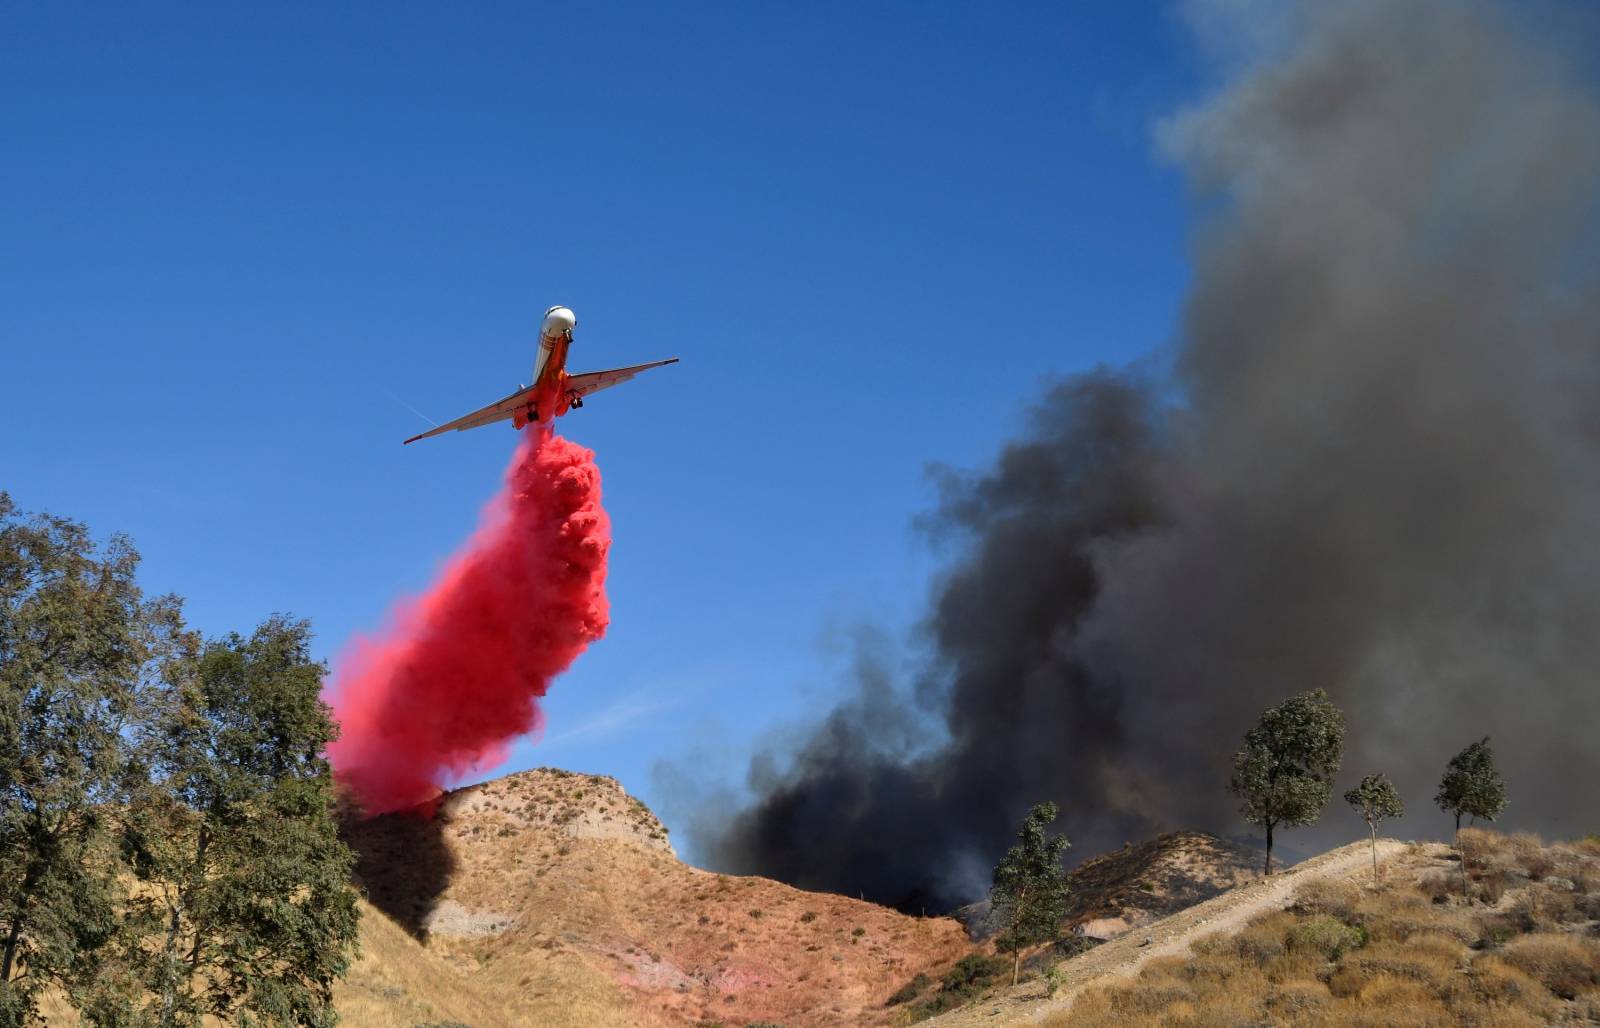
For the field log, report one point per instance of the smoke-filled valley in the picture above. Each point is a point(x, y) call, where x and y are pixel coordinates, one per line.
point(1369, 465)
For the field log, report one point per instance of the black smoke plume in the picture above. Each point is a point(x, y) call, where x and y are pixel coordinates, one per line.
point(1372, 467)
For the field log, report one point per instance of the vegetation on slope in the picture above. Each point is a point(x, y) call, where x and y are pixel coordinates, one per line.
point(167, 847)
point(1520, 947)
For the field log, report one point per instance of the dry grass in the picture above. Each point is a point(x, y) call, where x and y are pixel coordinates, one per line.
point(1522, 947)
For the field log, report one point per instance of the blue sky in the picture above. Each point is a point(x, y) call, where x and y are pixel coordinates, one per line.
point(239, 241)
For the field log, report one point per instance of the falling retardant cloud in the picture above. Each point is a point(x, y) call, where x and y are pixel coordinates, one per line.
point(458, 673)
point(1373, 467)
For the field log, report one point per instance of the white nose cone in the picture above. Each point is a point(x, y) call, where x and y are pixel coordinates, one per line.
point(558, 321)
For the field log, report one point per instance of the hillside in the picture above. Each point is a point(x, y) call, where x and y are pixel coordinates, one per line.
point(549, 897)
point(1517, 943)
point(1128, 888)
point(1318, 945)
point(1118, 891)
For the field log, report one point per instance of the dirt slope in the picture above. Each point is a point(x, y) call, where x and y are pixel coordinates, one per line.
point(554, 898)
point(1127, 888)
point(1169, 936)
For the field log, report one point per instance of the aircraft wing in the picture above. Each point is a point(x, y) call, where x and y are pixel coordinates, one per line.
point(594, 381)
point(500, 410)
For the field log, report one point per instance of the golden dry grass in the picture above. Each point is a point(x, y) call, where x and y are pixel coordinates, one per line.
point(1523, 950)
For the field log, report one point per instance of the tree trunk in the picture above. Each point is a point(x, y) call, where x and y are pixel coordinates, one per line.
point(1267, 870)
point(14, 936)
point(169, 972)
point(201, 844)
point(1016, 964)
point(170, 984)
point(1374, 854)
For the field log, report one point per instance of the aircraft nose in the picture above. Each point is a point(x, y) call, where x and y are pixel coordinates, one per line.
point(557, 321)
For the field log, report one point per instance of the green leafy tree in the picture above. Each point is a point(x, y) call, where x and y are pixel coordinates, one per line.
point(1284, 773)
point(247, 913)
point(79, 646)
point(1376, 800)
point(1030, 887)
point(1472, 786)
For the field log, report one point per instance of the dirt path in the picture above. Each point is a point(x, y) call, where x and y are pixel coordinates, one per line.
point(1170, 936)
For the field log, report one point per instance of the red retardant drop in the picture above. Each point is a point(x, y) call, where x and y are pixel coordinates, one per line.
point(457, 674)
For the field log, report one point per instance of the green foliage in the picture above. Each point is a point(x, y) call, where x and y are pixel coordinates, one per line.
point(79, 647)
point(1472, 784)
point(1284, 773)
point(1030, 886)
point(971, 975)
point(1376, 800)
point(909, 991)
point(247, 911)
point(1325, 935)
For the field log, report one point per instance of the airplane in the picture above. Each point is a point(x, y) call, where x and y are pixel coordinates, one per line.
point(554, 391)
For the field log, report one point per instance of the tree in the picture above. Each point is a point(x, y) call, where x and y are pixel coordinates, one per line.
point(1284, 773)
point(1375, 799)
point(247, 911)
point(1471, 785)
point(1030, 887)
point(79, 646)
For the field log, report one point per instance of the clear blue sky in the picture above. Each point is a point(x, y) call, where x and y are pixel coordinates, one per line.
point(237, 238)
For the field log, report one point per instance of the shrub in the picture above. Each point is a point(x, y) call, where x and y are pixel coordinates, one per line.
point(1298, 999)
point(972, 973)
point(1397, 916)
point(909, 991)
point(1435, 885)
point(1498, 983)
point(1429, 960)
point(1563, 964)
point(1398, 1000)
point(1327, 936)
point(808, 917)
point(1069, 946)
point(1262, 939)
point(1334, 898)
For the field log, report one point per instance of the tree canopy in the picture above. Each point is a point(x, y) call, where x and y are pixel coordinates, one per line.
point(1284, 773)
point(1472, 785)
point(129, 751)
point(1376, 800)
point(1030, 887)
point(79, 645)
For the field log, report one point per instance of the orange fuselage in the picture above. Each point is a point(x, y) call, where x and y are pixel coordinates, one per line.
point(551, 398)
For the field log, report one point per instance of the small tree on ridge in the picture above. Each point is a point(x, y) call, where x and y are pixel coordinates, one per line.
point(1030, 887)
point(1472, 786)
point(1376, 800)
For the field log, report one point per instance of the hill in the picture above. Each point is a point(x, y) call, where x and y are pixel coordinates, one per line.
point(550, 897)
point(1129, 887)
point(1320, 946)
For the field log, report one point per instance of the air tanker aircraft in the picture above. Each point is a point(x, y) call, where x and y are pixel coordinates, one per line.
point(553, 392)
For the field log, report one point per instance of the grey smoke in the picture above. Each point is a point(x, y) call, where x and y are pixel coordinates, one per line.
point(1373, 467)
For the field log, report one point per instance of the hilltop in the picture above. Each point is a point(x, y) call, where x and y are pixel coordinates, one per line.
point(550, 897)
point(1115, 892)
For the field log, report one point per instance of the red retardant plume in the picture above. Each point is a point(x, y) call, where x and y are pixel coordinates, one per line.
point(457, 674)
